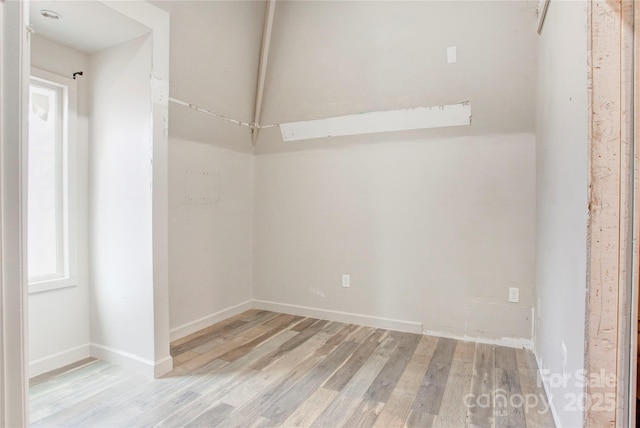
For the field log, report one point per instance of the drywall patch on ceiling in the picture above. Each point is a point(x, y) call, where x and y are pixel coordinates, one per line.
point(379, 121)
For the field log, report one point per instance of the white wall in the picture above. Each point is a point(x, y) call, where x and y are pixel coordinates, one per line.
point(362, 61)
point(59, 319)
point(120, 205)
point(336, 58)
point(14, 73)
point(210, 244)
point(215, 48)
point(561, 170)
point(431, 231)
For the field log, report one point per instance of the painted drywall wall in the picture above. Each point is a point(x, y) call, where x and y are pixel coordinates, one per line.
point(215, 46)
point(333, 58)
point(337, 58)
point(431, 231)
point(158, 21)
point(214, 62)
point(59, 319)
point(14, 71)
point(493, 39)
point(561, 200)
point(210, 241)
point(120, 205)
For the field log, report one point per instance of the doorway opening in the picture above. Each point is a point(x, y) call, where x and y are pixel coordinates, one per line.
point(96, 154)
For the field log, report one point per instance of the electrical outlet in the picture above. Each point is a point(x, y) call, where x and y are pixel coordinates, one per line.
point(514, 294)
point(346, 281)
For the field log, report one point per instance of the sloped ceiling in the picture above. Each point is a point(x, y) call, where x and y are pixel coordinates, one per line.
point(335, 58)
point(215, 48)
point(330, 58)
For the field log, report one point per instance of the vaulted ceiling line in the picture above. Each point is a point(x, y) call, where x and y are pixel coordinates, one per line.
point(262, 68)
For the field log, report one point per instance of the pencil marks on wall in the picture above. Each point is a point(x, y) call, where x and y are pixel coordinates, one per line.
point(201, 187)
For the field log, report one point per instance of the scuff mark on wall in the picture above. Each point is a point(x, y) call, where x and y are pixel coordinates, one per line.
point(317, 292)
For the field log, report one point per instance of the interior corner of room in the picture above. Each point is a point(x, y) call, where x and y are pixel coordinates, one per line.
point(322, 160)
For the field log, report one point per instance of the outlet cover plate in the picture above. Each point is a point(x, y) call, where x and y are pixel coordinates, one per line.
point(514, 295)
point(346, 281)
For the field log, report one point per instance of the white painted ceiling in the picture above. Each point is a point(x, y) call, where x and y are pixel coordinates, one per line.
point(87, 26)
point(215, 49)
point(333, 58)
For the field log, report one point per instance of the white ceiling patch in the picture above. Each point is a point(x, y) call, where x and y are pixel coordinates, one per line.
point(379, 121)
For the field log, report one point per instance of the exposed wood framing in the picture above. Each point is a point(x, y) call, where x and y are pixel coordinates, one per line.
point(610, 224)
point(262, 69)
point(635, 277)
point(2, 376)
point(627, 243)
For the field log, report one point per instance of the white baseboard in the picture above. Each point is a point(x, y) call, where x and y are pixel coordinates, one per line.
point(202, 323)
point(345, 317)
point(545, 385)
point(163, 366)
point(58, 360)
point(508, 342)
point(386, 323)
point(132, 362)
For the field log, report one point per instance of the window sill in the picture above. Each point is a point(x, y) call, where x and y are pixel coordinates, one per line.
point(53, 284)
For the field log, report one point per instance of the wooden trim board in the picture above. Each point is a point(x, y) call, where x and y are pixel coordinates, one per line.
point(627, 197)
point(610, 246)
point(635, 278)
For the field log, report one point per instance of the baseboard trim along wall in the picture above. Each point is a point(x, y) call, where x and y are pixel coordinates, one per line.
point(202, 323)
point(509, 342)
point(345, 317)
point(58, 360)
point(130, 361)
point(386, 323)
point(547, 390)
point(156, 369)
point(163, 366)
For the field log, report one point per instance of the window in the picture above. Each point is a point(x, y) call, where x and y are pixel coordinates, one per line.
point(51, 201)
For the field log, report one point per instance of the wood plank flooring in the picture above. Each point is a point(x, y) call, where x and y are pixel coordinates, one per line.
point(264, 369)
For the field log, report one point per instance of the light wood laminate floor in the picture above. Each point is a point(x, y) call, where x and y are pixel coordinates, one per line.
point(263, 369)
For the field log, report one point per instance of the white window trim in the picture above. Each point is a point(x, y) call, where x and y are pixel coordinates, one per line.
point(61, 230)
point(69, 184)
